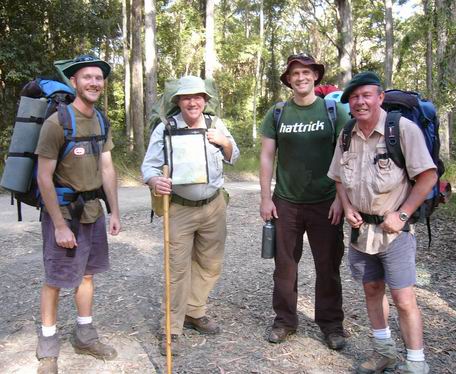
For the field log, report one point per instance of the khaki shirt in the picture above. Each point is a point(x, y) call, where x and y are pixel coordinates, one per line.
point(381, 187)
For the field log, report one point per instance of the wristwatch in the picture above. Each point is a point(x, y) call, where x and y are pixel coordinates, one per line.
point(404, 217)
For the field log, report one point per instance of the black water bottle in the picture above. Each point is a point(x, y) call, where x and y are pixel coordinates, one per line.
point(268, 241)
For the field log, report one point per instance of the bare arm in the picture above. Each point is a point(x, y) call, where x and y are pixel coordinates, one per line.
point(110, 188)
point(267, 156)
point(423, 185)
point(63, 235)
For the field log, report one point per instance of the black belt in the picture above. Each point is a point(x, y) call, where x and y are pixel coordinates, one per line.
point(193, 203)
point(374, 220)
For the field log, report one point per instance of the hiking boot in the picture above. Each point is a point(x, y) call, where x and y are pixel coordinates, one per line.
point(47, 352)
point(86, 342)
point(204, 325)
point(175, 346)
point(335, 340)
point(279, 334)
point(414, 367)
point(382, 358)
point(48, 365)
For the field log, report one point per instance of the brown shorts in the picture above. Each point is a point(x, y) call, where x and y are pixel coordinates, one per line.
point(91, 255)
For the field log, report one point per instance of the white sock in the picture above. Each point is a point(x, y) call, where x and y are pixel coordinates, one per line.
point(415, 354)
point(84, 320)
point(48, 330)
point(382, 333)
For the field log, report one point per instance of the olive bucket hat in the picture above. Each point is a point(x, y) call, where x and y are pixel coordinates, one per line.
point(190, 85)
point(70, 67)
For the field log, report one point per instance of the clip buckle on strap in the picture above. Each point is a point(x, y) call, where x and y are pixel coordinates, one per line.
point(75, 208)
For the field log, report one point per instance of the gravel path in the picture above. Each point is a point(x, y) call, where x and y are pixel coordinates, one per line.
point(127, 302)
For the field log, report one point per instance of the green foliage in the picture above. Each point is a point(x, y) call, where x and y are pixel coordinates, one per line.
point(249, 162)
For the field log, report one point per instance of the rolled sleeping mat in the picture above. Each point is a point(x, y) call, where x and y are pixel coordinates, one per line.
point(18, 170)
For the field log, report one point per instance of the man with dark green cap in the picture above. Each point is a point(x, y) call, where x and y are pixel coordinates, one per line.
point(74, 236)
point(378, 200)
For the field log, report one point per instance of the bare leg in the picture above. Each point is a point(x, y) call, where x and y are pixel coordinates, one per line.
point(49, 303)
point(409, 317)
point(83, 296)
point(377, 304)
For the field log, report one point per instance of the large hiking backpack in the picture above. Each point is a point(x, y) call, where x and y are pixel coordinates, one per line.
point(164, 107)
point(39, 99)
point(423, 113)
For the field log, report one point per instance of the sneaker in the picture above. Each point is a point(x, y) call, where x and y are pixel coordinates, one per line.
point(382, 358)
point(335, 340)
point(279, 334)
point(86, 342)
point(204, 325)
point(175, 346)
point(48, 365)
point(414, 367)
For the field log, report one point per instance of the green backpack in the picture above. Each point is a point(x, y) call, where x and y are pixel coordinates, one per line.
point(164, 108)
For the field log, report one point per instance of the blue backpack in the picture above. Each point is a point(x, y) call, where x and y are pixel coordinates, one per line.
point(423, 113)
point(39, 99)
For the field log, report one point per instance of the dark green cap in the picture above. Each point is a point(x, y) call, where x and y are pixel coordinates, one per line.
point(70, 67)
point(366, 78)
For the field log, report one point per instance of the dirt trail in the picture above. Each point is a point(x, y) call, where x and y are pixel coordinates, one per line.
point(127, 302)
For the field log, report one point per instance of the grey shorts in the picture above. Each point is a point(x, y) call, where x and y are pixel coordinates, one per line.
point(396, 266)
point(91, 255)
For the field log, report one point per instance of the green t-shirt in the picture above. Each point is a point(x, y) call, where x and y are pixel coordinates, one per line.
point(305, 146)
point(80, 169)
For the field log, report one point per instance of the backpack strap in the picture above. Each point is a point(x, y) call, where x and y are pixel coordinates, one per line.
point(208, 121)
point(277, 113)
point(392, 138)
point(331, 109)
point(345, 140)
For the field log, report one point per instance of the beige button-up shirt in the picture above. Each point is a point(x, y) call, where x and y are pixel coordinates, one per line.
point(381, 187)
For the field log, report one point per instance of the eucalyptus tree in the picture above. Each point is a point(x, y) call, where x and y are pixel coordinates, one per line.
point(137, 93)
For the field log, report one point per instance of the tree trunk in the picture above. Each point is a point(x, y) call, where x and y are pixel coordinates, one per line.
point(275, 82)
point(137, 95)
point(442, 22)
point(210, 58)
point(345, 42)
point(127, 72)
point(389, 39)
point(257, 74)
point(429, 16)
point(106, 84)
point(151, 56)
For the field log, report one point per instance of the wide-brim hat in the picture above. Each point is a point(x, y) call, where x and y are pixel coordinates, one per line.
point(190, 85)
point(367, 78)
point(303, 59)
point(70, 67)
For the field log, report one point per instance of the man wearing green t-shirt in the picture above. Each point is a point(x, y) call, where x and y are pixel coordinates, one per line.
point(304, 200)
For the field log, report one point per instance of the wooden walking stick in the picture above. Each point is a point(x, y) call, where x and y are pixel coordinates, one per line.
point(169, 362)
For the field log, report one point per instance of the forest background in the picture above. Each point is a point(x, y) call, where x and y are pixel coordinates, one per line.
point(242, 44)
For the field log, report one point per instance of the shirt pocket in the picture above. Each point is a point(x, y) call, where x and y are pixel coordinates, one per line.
point(215, 159)
point(347, 169)
point(386, 176)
